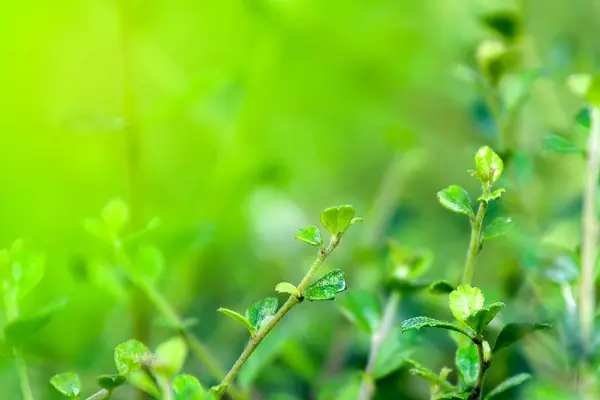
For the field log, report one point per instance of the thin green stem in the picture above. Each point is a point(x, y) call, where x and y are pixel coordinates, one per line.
point(267, 327)
point(475, 243)
point(165, 388)
point(99, 395)
point(483, 365)
point(367, 388)
point(23, 378)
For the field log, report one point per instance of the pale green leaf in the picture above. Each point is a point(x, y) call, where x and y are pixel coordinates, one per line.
point(68, 384)
point(310, 235)
point(115, 215)
point(187, 387)
point(489, 164)
point(170, 357)
point(465, 300)
point(579, 84)
point(286, 287)
point(337, 219)
point(496, 194)
point(239, 318)
point(130, 356)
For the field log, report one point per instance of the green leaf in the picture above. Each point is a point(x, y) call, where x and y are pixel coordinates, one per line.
point(97, 229)
point(514, 88)
point(455, 199)
point(498, 227)
point(363, 309)
point(327, 286)
point(261, 311)
point(409, 264)
point(111, 382)
point(170, 357)
point(187, 387)
point(23, 328)
point(337, 219)
point(508, 384)
point(310, 235)
point(426, 322)
point(239, 318)
point(579, 84)
point(467, 363)
point(496, 194)
point(115, 215)
point(481, 318)
point(394, 352)
point(583, 119)
point(514, 332)
point(560, 144)
point(426, 373)
point(141, 380)
point(505, 22)
point(130, 356)
point(465, 300)
point(489, 163)
point(286, 287)
point(27, 269)
point(441, 287)
point(67, 384)
point(150, 262)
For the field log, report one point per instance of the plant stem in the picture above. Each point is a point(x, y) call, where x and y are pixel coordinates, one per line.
point(23, 378)
point(367, 388)
point(475, 243)
point(483, 365)
point(165, 388)
point(100, 395)
point(267, 327)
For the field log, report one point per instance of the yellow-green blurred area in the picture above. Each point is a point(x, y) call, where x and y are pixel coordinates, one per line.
point(236, 123)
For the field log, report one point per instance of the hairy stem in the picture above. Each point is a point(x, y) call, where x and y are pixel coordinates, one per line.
point(267, 327)
point(23, 378)
point(99, 395)
point(475, 243)
point(367, 387)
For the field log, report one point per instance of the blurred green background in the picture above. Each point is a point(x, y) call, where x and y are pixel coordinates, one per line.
point(237, 122)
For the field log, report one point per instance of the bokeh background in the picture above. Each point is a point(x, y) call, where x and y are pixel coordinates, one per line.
point(237, 122)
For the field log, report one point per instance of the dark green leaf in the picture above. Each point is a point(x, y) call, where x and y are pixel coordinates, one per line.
point(169, 357)
point(310, 235)
point(507, 23)
point(187, 387)
point(560, 144)
point(441, 287)
point(481, 318)
point(362, 308)
point(465, 300)
point(489, 163)
point(130, 356)
point(514, 332)
point(337, 219)
point(239, 318)
point(23, 328)
point(426, 322)
point(394, 352)
point(67, 384)
point(110, 382)
point(498, 227)
point(261, 311)
point(406, 286)
point(583, 119)
point(455, 199)
point(326, 288)
point(467, 363)
point(508, 384)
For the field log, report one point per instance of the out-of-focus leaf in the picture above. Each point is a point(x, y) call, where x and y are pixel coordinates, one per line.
point(579, 84)
point(141, 380)
point(261, 311)
point(68, 384)
point(467, 363)
point(130, 356)
point(508, 384)
point(583, 119)
point(564, 269)
point(441, 287)
point(489, 163)
point(110, 382)
point(409, 264)
point(465, 300)
point(514, 332)
point(362, 308)
point(170, 357)
point(346, 387)
point(239, 318)
point(310, 235)
point(514, 88)
point(593, 92)
point(187, 387)
point(455, 199)
point(27, 270)
point(23, 328)
point(263, 356)
point(337, 219)
point(498, 227)
point(394, 352)
point(506, 22)
point(150, 262)
point(115, 215)
point(560, 144)
point(426, 322)
point(327, 286)
point(481, 318)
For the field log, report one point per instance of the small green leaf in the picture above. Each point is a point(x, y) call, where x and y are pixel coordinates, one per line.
point(67, 384)
point(337, 219)
point(441, 287)
point(489, 163)
point(498, 227)
point(187, 387)
point(115, 215)
point(150, 262)
point(455, 199)
point(496, 194)
point(467, 363)
point(465, 300)
point(130, 356)
point(23, 328)
point(429, 375)
point(560, 144)
point(394, 352)
point(111, 382)
point(239, 318)
point(579, 84)
point(514, 332)
point(505, 22)
point(310, 235)
point(583, 119)
point(170, 357)
point(141, 380)
point(508, 384)
point(362, 308)
point(286, 287)
point(426, 322)
point(261, 311)
point(327, 286)
point(481, 318)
